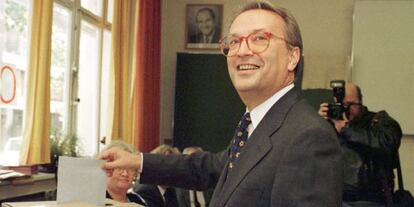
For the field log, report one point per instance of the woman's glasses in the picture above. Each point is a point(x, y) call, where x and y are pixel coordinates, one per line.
point(119, 171)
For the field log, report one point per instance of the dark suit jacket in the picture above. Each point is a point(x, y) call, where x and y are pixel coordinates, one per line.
point(151, 194)
point(183, 196)
point(291, 159)
point(134, 198)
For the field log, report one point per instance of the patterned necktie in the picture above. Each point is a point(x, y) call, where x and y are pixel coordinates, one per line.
point(240, 139)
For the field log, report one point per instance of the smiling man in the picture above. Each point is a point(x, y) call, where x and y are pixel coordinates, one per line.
point(282, 154)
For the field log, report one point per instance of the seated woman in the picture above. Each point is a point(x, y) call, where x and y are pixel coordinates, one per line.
point(122, 179)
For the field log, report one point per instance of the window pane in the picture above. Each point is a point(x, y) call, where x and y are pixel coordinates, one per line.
point(110, 11)
point(106, 57)
point(94, 6)
point(14, 47)
point(59, 84)
point(88, 77)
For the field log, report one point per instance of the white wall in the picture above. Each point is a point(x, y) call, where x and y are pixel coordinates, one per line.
point(407, 161)
point(383, 64)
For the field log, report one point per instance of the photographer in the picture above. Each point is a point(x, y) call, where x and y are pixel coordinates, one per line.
point(369, 143)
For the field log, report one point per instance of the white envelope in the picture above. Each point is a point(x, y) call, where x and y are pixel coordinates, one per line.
point(81, 180)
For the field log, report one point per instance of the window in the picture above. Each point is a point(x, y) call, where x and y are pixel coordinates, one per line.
point(60, 69)
point(80, 71)
point(94, 6)
point(88, 83)
point(81, 45)
point(106, 57)
point(14, 47)
point(110, 11)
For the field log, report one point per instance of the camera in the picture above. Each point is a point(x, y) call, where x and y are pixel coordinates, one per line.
point(336, 108)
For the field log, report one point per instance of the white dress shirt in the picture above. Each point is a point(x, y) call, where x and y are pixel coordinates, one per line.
point(257, 114)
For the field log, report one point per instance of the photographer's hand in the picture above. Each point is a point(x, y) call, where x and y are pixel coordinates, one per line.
point(323, 110)
point(339, 124)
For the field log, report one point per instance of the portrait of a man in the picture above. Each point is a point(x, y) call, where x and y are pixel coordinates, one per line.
point(203, 25)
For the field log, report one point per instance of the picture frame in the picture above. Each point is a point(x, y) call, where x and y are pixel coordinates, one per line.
point(203, 26)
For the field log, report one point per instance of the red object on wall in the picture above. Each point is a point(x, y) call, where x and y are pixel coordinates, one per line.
point(4, 69)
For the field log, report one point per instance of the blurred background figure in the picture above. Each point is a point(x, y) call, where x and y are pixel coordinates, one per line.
point(193, 198)
point(157, 195)
point(122, 179)
point(369, 142)
point(165, 150)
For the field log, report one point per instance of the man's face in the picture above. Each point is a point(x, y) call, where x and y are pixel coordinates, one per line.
point(352, 102)
point(259, 76)
point(205, 22)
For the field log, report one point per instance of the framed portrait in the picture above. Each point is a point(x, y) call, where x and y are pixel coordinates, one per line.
point(203, 26)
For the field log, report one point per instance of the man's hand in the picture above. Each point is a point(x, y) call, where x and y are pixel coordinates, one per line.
point(118, 158)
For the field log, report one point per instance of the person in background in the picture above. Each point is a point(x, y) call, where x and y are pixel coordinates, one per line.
point(207, 30)
point(282, 154)
point(193, 198)
point(165, 150)
point(117, 186)
point(159, 195)
point(370, 142)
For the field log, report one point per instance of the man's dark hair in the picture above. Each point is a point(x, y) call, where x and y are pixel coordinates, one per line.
point(210, 11)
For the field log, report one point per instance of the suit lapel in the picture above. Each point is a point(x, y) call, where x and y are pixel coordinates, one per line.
point(158, 195)
point(250, 156)
point(258, 145)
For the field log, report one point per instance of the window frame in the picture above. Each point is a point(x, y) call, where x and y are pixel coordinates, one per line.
point(18, 71)
point(78, 14)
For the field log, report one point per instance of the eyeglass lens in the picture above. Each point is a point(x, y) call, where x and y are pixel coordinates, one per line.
point(256, 42)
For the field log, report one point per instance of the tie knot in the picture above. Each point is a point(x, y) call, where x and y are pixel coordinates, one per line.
point(245, 121)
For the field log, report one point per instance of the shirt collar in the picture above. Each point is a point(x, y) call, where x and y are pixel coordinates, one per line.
point(210, 36)
point(162, 190)
point(260, 111)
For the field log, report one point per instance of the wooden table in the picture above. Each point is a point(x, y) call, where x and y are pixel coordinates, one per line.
point(42, 182)
point(108, 202)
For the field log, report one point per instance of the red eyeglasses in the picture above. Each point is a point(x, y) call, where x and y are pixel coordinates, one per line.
point(257, 42)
